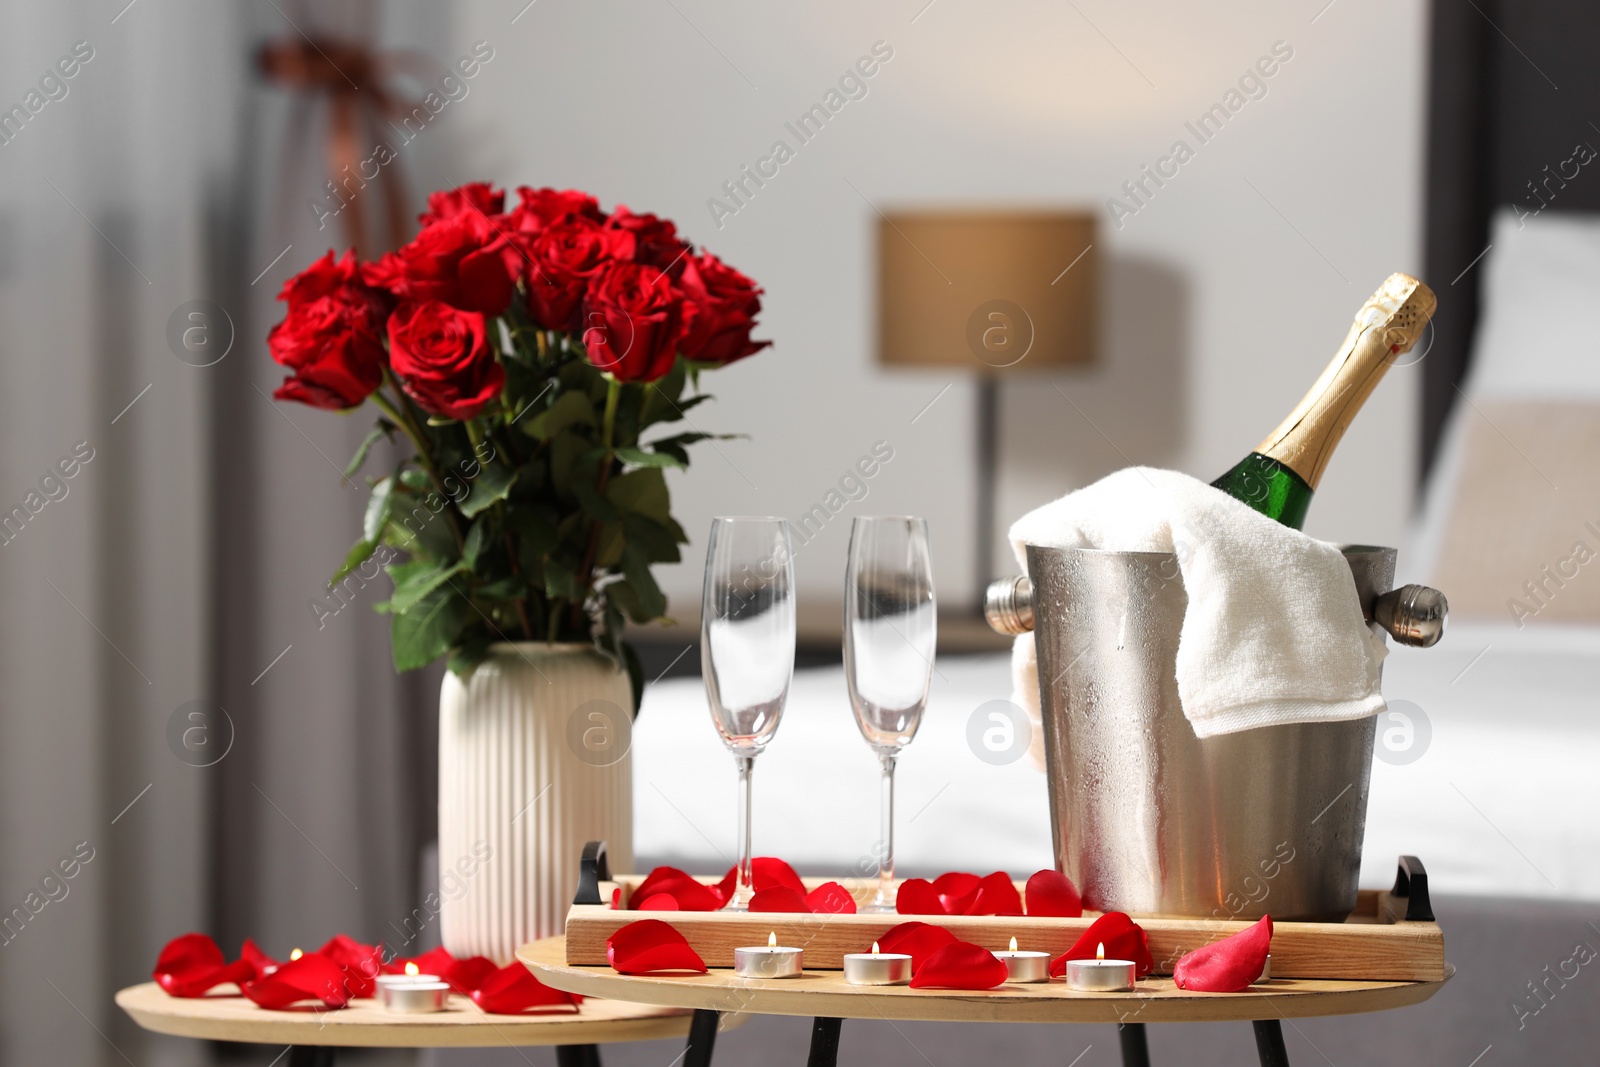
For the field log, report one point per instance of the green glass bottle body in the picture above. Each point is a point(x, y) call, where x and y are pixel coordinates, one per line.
point(1269, 487)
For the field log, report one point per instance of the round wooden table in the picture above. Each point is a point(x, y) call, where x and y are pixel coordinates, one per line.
point(828, 998)
point(366, 1024)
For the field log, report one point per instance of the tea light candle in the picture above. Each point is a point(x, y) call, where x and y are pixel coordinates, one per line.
point(771, 960)
point(413, 992)
point(1100, 975)
point(1022, 966)
point(877, 968)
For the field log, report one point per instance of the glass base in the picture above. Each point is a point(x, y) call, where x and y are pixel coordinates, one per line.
point(735, 905)
point(876, 909)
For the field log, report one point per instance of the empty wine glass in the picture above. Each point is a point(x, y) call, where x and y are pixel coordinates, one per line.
point(747, 631)
point(889, 635)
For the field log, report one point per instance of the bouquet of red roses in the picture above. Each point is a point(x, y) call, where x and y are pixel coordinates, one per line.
point(524, 355)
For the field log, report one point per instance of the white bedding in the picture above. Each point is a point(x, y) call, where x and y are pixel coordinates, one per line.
point(1503, 801)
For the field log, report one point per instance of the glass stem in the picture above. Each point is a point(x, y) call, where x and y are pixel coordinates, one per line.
point(886, 836)
point(745, 888)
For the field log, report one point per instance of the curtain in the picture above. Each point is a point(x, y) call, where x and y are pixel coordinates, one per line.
point(198, 734)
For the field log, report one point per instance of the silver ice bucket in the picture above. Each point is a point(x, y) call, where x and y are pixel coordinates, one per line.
point(1148, 818)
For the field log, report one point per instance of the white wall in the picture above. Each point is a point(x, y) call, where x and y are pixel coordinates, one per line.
point(1220, 310)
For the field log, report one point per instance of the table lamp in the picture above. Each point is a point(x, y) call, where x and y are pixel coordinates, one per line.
point(987, 293)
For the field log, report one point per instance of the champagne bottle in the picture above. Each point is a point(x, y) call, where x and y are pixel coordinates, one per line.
point(1278, 478)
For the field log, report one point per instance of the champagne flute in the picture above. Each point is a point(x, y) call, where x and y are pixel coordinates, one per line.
point(747, 633)
point(889, 635)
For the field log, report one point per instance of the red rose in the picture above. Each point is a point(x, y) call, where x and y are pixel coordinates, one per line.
point(456, 259)
point(633, 321)
point(479, 198)
point(722, 307)
point(656, 240)
point(540, 209)
point(321, 278)
point(562, 260)
point(331, 336)
point(443, 359)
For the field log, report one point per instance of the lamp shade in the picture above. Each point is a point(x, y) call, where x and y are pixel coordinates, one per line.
point(986, 290)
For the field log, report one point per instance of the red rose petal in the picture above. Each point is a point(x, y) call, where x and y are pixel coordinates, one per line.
point(996, 895)
point(918, 940)
point(659, 902)
point(1052, 893)
point(959, 965)
point(513, 989)
point(779, 898)
point(616, 898)
point(259, 962)
point(831, 898)
point(361, 963)
point(311, 977)
point(1123, 938)
point(650, 946)
point(470, 974)
point(767, 871)
point(1229, 965)
point(917, 896)
point(724, 889)
point(192, 964)
point(956, 890)
point(690, 893)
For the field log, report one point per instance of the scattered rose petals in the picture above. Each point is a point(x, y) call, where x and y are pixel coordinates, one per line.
point(192, 964)
point(959, 893)
point(360, 963)
point(1123, 938)
point(650, 946)
point(957, 890)
point(1229, 965)
point(831, 898)
point(959, 965)
point(1052, 893)
point(687, 893)
point(659, 902)
point(259, 962)
point(513, 989)
point(778, 898)
point(311, 977)
point(769, 871)
point(919, 940)
point(996, 895)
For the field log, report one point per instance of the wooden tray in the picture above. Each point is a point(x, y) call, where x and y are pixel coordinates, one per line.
point(1391, 936)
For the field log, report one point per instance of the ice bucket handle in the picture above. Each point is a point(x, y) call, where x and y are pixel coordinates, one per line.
point(1413, 615)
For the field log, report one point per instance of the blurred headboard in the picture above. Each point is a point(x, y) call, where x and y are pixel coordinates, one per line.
point(1513, 88)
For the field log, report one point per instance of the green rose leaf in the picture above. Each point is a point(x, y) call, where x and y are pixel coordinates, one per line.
point(426, 632)
point(492, 485)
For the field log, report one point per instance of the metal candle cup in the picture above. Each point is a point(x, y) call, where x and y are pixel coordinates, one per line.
point(413, 994)
point(877, 968)
point(1101, 975)
point(771, 960)
point(1024, 966)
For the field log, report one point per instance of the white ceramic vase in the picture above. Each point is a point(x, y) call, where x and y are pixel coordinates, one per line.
point(533, 762)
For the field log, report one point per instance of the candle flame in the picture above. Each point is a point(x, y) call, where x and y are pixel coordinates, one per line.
point(413, 970)
point(875, 949)
point(772, 940)
point(1100, 951)
point(1013, 944)
point(296, 954)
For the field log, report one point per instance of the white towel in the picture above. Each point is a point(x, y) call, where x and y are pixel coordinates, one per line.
point(1274, 631)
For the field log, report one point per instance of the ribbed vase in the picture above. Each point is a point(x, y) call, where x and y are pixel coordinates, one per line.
point(533, 762)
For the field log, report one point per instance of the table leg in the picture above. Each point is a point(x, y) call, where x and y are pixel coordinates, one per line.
point(311, 1056)
point(1269, 1043)
point(702, 1036)
point(577, 1056)
point(1135, 1048)
point(824, 1043)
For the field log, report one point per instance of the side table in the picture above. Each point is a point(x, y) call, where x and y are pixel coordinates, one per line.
point(314, 1035)
point(829, 999)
